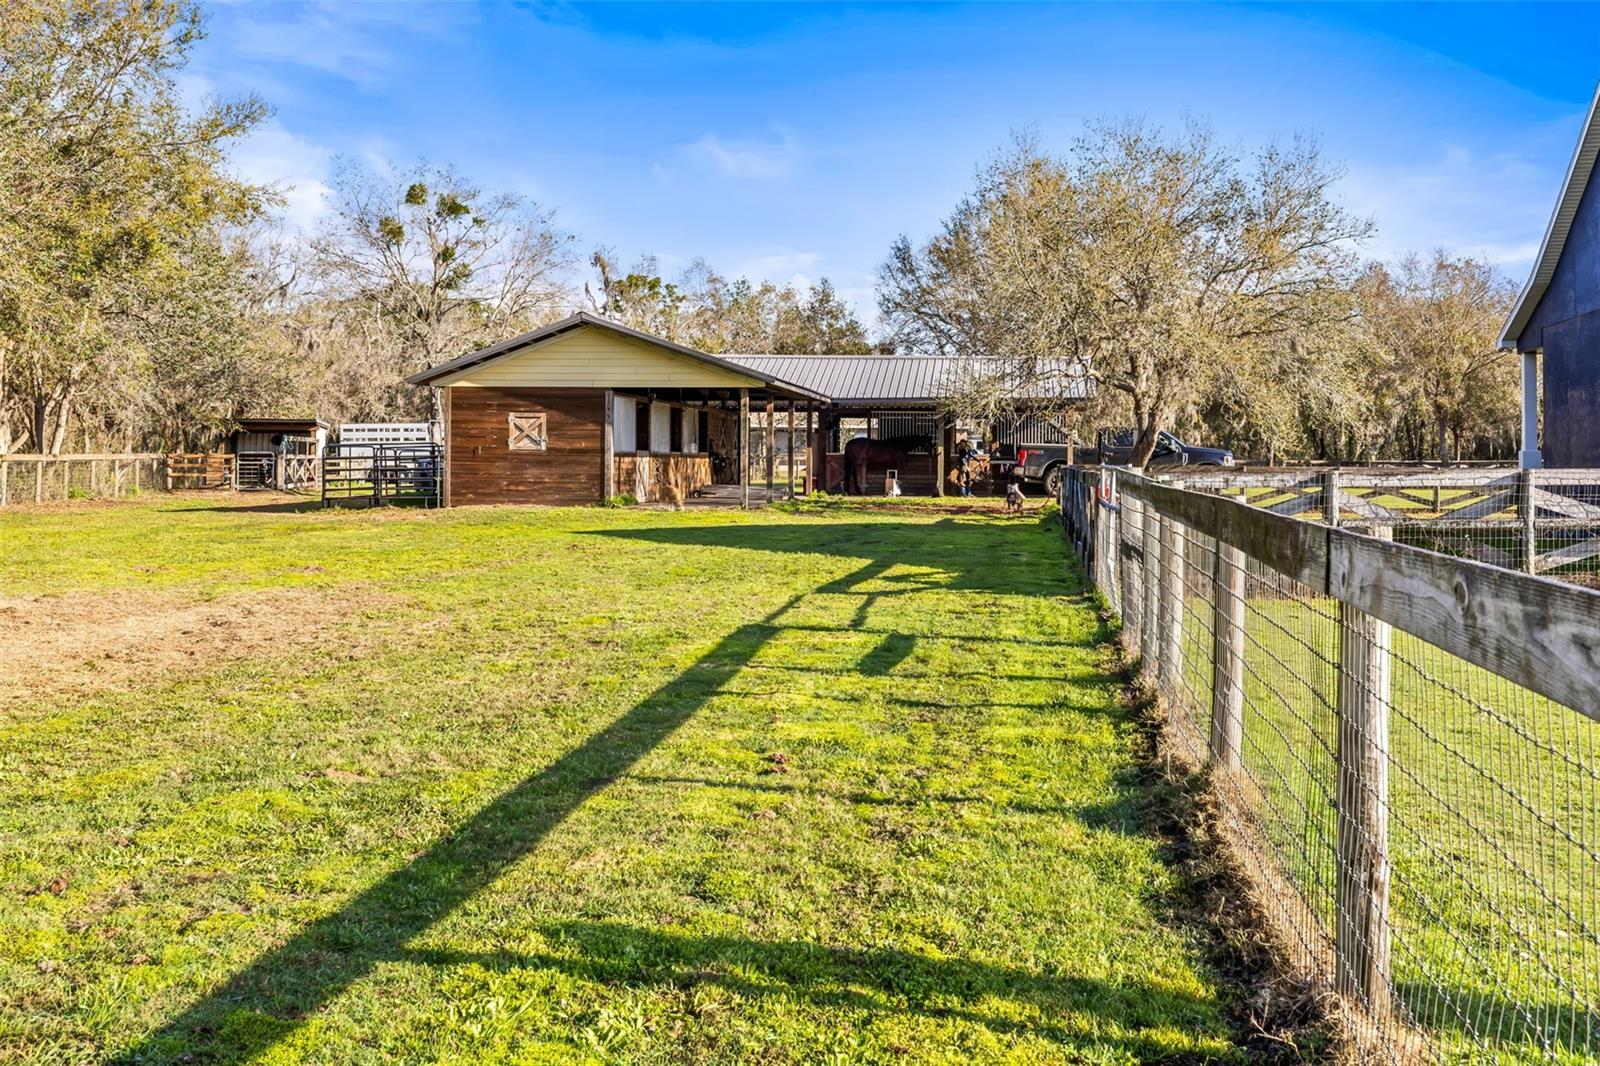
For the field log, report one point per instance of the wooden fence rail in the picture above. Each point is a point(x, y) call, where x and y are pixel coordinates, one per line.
point(1375, 716)
point(54, 478)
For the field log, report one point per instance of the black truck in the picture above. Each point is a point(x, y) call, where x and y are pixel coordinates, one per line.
point(1042, 463)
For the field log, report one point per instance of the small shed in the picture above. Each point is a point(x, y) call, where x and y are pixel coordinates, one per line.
point(276, 452)
point(1556, 320)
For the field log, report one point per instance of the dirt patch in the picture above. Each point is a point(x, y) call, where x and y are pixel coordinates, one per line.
point(83, 643)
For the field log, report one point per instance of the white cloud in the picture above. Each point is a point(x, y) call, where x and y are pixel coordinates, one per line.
point(1492, 205)
point(293, 166)
point(348, 40)
point(747, 160)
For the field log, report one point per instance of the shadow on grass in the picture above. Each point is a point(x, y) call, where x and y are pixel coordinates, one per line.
point(1112, 1016)
point(266, 1001)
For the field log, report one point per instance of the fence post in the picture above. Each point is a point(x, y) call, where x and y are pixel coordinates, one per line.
point(4, 466)
point(1132, 573)
point(1150, 583)
point(1227, 678)
point(1172, 589)
point(1330, 496)
point(1362, 937)
point(38, 481)
point(1528, 511)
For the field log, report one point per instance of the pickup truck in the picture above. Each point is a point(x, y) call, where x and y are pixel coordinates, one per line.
point(1043, 463)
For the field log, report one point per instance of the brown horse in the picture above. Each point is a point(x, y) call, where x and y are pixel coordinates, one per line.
point(891, 451)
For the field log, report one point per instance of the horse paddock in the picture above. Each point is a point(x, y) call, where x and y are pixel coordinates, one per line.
point(567, 784)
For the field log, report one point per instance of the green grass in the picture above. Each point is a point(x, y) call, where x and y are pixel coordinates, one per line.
point(589, 785)
point(1494, 821)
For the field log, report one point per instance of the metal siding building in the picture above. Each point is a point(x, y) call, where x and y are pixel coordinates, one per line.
point(1558, 316)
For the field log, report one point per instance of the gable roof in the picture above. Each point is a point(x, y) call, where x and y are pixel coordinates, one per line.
point(858, 380)
point(1579, 171)
point(584, 319)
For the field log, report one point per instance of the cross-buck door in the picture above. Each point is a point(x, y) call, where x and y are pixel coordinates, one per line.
point(527, 432)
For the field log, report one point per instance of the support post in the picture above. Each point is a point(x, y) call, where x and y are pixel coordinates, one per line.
point(608, 449)
point(1132, 573)
point(810, 482)
point(38, 481)
point(1330, 497)
point(1150, 582)
point(4, 467)
point(941, 430)
point(1528, 511)
point(1172, 588)
point(1362, 894)
point(744, 448)
point(1227, 679)
point(788, 439)
point(770, 446)
point(1530, 458)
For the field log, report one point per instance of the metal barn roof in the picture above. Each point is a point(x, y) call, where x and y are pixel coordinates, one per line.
point(861, 380)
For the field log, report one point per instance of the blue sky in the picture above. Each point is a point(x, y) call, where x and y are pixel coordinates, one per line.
point(796, 141)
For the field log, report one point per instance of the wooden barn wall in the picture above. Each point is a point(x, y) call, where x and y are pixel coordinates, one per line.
point(484, 469)
point(650, 478)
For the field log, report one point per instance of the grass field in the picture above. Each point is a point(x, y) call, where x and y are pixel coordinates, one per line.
point(518, 785)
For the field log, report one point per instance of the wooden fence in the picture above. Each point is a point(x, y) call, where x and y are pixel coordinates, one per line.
point(1405, 751)
point(1534, 520)
point(54, 478)
point(38, 479)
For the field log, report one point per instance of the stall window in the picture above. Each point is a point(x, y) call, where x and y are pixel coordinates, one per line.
point(527, 431)
point(675, 429)
point(702, 436)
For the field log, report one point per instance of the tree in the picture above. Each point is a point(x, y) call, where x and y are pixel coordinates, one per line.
point(105, 185)
point(436, 266)
point(704, 310)
point(1440, 318)
point(1145, 261)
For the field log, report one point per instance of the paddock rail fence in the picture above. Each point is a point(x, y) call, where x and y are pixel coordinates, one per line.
point(1404, 747)
point(1538, 521)
point(56, 478)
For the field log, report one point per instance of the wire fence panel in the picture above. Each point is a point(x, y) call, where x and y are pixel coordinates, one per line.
point(1417, 819)
point(31, 479)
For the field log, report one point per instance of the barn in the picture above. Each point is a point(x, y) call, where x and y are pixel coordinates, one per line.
point(1556, 320)
point(586, 409)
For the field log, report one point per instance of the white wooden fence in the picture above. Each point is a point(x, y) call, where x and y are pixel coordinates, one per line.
point(1404, 747)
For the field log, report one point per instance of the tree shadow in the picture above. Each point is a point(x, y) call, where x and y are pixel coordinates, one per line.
point(278, 506)
point(287, 983)
point(1134, 1017)
point(971, 555)
point(265, 1002)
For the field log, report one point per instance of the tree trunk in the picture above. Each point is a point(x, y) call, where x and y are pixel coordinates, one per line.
point(1147, 429)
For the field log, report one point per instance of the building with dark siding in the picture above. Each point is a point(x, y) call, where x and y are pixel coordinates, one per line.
point(1556, 320)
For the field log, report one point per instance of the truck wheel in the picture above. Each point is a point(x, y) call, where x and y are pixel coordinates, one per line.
point(1052, 482)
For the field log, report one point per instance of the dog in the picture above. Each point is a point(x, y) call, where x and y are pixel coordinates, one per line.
point(1014, 498)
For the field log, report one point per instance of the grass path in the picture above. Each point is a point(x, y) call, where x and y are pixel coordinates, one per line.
point(584, 785)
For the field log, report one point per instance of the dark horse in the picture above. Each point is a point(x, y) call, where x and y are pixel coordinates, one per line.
point(891, 451)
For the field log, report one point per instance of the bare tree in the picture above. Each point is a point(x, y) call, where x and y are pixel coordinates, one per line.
point(441, 266)
point(1144, 260)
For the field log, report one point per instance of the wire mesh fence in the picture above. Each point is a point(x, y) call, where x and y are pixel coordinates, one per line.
point(31, 479)
point(1538, 521)
point(1400, 773)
